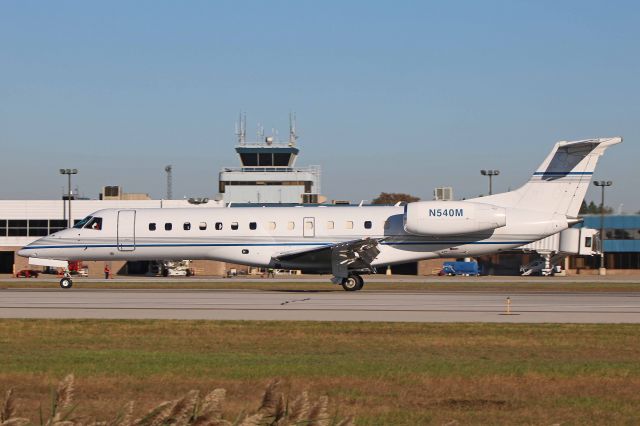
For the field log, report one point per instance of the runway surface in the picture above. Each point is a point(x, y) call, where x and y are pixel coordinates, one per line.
point(321, 306)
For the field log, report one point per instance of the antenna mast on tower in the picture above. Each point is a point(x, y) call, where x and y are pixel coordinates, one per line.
point(169, 170)
point(241, 128)
point(293, 136)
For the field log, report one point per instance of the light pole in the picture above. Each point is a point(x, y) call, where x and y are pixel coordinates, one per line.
point(491, 174)
point(602, 184)
point(69, 172)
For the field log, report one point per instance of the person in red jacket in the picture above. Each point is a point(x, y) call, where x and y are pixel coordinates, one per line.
point(107, 271)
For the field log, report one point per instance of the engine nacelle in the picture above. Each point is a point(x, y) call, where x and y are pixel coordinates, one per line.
point(452, 217)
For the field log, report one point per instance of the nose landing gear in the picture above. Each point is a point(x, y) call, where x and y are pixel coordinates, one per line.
point(66, 282)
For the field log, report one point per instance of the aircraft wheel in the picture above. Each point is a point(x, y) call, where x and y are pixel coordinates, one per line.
point(352, 283)
point(66, 283)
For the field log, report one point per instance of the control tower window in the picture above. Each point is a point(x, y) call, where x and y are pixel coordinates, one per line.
point(249, 159)
point(281, 160)
point(265, 159)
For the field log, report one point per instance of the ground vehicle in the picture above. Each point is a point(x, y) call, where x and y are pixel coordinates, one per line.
point(27, 273)
point(460, 268)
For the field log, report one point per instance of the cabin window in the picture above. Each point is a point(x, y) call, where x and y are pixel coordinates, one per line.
point(348, 224)
point(203, 226)
point(330, 225)
point(253, 226)
point(218, 226)
point(291, 225)
point(367, 224)
point(168, 226)
point(186, 226)
point(308, 225)
point(271, 226)
point(152, 227)
point(234, 226)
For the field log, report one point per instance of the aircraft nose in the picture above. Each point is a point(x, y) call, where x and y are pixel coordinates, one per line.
point(28, 250)
point(24, 252)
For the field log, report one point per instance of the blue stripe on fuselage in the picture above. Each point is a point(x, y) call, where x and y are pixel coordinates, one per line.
point(268, 244)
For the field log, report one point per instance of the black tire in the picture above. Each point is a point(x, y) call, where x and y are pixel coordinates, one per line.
point(360, 282)
point(352, 283)
point(66, 283)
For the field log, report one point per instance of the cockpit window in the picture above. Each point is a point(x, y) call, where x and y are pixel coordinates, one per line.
point(95, 224)
point(83, 222)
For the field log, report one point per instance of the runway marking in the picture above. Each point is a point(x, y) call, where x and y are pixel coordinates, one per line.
point(294, 300)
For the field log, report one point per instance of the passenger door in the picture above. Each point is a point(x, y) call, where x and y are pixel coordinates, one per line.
point(127, 230)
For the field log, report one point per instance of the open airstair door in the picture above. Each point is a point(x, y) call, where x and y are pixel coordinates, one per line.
point(126, 230)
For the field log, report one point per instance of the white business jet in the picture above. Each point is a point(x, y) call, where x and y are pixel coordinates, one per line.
point(346, 242)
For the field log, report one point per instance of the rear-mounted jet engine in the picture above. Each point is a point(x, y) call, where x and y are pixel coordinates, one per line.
point(452, 217)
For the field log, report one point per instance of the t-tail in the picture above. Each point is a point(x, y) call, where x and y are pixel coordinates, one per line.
point(560, 183)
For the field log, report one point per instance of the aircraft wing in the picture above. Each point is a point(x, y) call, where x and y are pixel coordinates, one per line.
point(354, 255)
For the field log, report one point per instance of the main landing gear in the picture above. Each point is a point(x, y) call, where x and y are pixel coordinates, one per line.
point(353, 282)
point(66, 281)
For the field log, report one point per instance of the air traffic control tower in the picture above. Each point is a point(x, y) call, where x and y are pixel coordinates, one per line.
point(268, 174)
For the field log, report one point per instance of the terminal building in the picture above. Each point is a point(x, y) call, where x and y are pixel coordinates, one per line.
point(621, 243)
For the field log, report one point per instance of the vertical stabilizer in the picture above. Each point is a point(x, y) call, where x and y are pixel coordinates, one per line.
point(560, 183)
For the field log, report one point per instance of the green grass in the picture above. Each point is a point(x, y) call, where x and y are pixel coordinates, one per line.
point(382, 372)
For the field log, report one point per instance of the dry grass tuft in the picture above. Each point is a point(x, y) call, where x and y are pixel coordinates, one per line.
point(64, 393)
point(8, 412)
point(190, 410)
point(319, 415)
point(213, 403)
point(8, 407)
point(299, 408)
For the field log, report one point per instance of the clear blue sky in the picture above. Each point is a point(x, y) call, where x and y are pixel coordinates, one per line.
point(390, 96)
